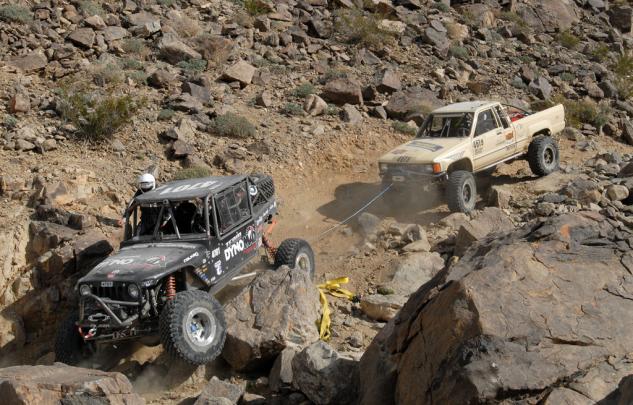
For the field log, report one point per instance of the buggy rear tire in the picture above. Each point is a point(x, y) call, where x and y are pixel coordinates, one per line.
point(543, 155)
point(296, 254)
point(70, 347)
point(192, 327)
point(461, 191)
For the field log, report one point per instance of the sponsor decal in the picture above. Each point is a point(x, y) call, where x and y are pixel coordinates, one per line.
point(148, 283)
point(426, 145)
point(215, 253)
point(157, 261)
point(455, 156)
point(233, 249)
point(398, 151)
point(107, 284)
point(403, 159)
point(478, 146)
point(186, 187)
point(235, 238)
point(218, 268)
point(191, 256)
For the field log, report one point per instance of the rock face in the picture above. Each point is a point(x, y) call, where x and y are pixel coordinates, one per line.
point(488, 220)
point(64, 384)
point(548, 305)
point(216, 389)
point(324, 376)
point(277, 310)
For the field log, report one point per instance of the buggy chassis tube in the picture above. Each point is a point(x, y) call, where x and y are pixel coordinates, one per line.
point(103, 303)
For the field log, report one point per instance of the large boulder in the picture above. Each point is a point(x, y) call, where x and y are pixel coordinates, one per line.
point(61, 384)
point(277, 310)
point(325, 376)
point(343, 91)
point(544, 307)
point(490, 219)
point(403, 105)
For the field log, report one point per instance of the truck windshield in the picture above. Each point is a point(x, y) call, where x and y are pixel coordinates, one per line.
point(166, 220)
point(446, 126)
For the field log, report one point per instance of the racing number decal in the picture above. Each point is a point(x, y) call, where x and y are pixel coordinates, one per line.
point(478, 146)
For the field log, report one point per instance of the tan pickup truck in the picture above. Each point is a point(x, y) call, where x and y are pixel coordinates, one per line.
point(461, 139)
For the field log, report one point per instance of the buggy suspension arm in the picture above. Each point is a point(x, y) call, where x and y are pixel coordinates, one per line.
point(271, 249)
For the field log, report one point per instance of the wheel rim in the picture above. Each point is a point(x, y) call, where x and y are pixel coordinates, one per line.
point(200, 327)
point(549, 156)
point(467, 193)
point(302, 262)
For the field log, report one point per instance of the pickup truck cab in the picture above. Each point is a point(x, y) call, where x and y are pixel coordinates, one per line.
point(459, 140)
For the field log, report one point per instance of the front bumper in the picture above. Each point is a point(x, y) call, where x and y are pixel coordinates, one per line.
point(403, 175)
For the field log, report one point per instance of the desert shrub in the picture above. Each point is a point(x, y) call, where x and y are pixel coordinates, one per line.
point(458, 51)
point(586, 111)
point(304, 90)
point(193, 65)
point(442, 7)
point(600, 53)
point(568, 39)
point(512, 17)
point(358, 28)
point(138, 76)
point(623, 69)
point(15, 13)
point(331, 109)
point(186, 27)
point(97, 116)
point(90, 8)
point(193, 172)
point(255, 7)
point(166, 3)
point(233, 125)
point(131, 64)
point(292, 109)
point(166, 114)
point(108, 74)
point(567, 77)
point(214, 48)
point(331, 74)
point(135, 46)
point(385, 291)
point(403, 128)
point(10, 121)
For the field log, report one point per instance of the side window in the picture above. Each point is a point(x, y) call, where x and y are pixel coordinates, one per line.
point(485, 122)
point(503, 117)
point(232, 206)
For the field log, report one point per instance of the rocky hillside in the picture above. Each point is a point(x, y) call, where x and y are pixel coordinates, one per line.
point(92, 93)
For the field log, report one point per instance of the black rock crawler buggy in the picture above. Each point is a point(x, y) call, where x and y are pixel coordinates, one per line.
point(183, 242)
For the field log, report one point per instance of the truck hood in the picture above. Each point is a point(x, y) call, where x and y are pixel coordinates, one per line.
point(146, 262)
point(422, 150)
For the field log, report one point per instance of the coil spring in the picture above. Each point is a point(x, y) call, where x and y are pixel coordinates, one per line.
point(171, 287)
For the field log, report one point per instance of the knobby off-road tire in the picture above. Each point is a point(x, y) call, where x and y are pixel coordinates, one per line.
point(543, 155)
point(192, 327)
point(296, 254)
point(70, 347)
point(461, 191)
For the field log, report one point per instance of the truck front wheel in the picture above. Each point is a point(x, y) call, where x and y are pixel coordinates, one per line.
point(192, 327)
point(461, 191)
point(70, 347)
point(296, 254)
point(543, 155)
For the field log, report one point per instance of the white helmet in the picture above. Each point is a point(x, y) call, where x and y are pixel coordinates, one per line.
point(146, 182)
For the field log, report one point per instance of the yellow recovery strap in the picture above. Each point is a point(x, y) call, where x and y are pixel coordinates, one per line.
point(332, 287)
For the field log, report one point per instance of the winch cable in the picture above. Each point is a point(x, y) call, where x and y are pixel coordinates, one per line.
point(346, 220)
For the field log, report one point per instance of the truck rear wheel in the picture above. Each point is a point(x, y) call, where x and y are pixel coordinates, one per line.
point(461, 191)
point(192, 327)
point(70, 347)
point(296, 254)
point(543, 155)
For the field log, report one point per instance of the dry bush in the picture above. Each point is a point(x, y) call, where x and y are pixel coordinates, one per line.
point(215, 49)
point(233, 125)
point(185, 26)
point(356, 27)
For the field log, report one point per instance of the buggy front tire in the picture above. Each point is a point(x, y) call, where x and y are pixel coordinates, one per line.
point(296, 254)
point(543, 155)
point(192, 327)
point(70, 347)
point(461, 191)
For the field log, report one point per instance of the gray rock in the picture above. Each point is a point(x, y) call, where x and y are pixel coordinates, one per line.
point(381, 307)
point(389, 81)
point(369, 224)
point(264, 99)
point(241, 72)
point(174, 51)
point(29, 63)
point(324, 376)
point(489, 220)
point(500, 197)
point(352, 115)
point(314, 105)
point(343, 91)
point(217, 388)
point(181, 149)
point(280, 376)
point(414, 100)
point(84, 37)
point(541, 88)
point(183, 130)
point(278, 309)
point(617, 192)
point(161, 79)
point(115, 33)
point(413, 271)
point(621, 17)
point(436, 38)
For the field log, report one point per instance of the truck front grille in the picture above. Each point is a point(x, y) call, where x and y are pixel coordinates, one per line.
point(117, 292)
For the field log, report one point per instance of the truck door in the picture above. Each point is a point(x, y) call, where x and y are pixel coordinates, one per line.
point(507, 131)
point(235, 227)
point(487, 139)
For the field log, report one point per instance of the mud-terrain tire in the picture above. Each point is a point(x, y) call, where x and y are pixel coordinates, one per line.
point(70, 347)
point(543, 155)
point(188, 310)
point(461, 191)
point(296, 254)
